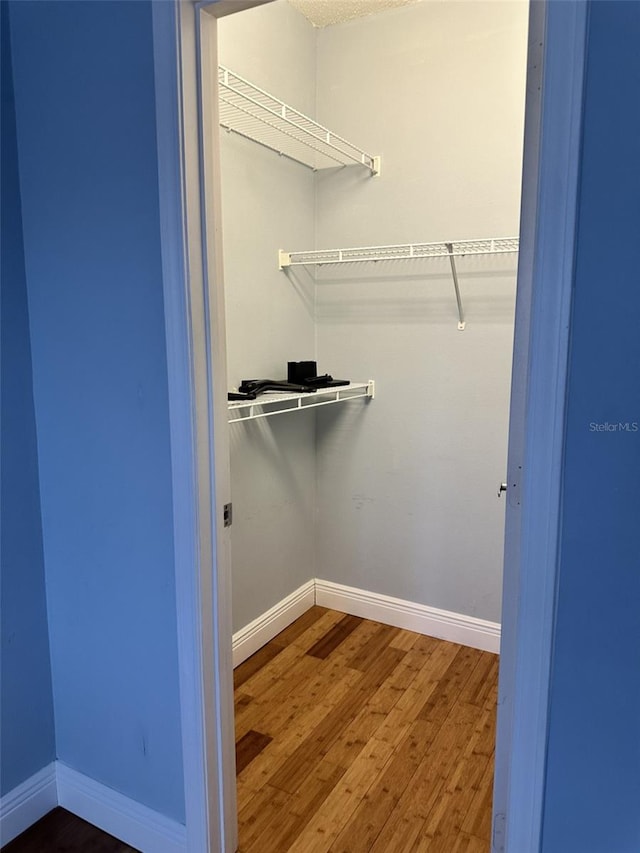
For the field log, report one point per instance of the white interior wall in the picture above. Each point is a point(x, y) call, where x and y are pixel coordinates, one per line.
point(268, 202)
point(402, 490)
point(407, 502)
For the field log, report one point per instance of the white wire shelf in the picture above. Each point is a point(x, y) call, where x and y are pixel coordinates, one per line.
point(279, 403)
point(400, 252)
point(405, 252)
point(255, 114)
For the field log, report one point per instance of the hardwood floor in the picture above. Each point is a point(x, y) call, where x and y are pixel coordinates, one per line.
point(62, 832)
point(352, 736)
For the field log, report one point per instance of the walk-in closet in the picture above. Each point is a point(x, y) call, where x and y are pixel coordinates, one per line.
point(370, 164)
point(395, 492)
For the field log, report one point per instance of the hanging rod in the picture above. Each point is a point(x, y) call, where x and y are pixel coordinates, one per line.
point(251, 112)
point(405, 252)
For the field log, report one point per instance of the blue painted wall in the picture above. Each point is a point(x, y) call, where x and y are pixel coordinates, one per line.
point(85, 109)
point(593, 778)
point(26, 704)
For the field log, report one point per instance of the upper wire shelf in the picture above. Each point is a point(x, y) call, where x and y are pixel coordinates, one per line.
point(257, 115)
point(400, 252)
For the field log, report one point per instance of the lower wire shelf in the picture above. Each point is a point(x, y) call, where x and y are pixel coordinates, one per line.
point(277, 403)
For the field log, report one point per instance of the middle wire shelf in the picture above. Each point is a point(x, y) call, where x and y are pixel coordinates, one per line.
point(277, 403)
point(405, 252)
point(399, 252)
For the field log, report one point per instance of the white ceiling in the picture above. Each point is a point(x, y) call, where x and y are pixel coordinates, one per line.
point(323, 13)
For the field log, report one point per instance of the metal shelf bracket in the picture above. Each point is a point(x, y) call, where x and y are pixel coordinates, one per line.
point(454, 273)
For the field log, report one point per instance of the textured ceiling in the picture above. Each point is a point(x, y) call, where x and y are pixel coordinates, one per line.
point(323, 13)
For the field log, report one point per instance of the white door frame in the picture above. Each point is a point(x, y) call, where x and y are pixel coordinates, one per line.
point(201, 658)
point(190, 218)
point(188, 157)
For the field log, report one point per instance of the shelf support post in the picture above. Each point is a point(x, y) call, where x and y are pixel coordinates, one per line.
point(454, 273)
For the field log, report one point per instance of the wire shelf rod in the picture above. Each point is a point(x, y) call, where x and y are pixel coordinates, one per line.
point(399, 252)
point(325, 137)
point(276, 148)
point(298, 402)
point(405, 252)
point(260, 110)
point(277, 132)
point(288, 113)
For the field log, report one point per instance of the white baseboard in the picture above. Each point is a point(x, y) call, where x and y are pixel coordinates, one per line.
point(131, 822)
point(257, 633)
point(444, 624)
point(59, 785)
point(27, 803)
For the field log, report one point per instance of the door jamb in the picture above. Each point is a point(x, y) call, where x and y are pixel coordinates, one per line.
point(183, 34)
point(553, 130)
point(187, 335)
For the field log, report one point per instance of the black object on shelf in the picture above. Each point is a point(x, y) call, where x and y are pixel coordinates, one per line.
point(306, 373)
point(300, 372)
point(259, 386)
point(302, 378)
point(327, 381)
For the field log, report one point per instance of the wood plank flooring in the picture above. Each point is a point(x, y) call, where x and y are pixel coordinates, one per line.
point(62, 832)
point(352, 736)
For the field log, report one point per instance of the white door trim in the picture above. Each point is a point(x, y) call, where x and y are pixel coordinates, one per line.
point(196, 368)
point(200, 637)
point(555, 84)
